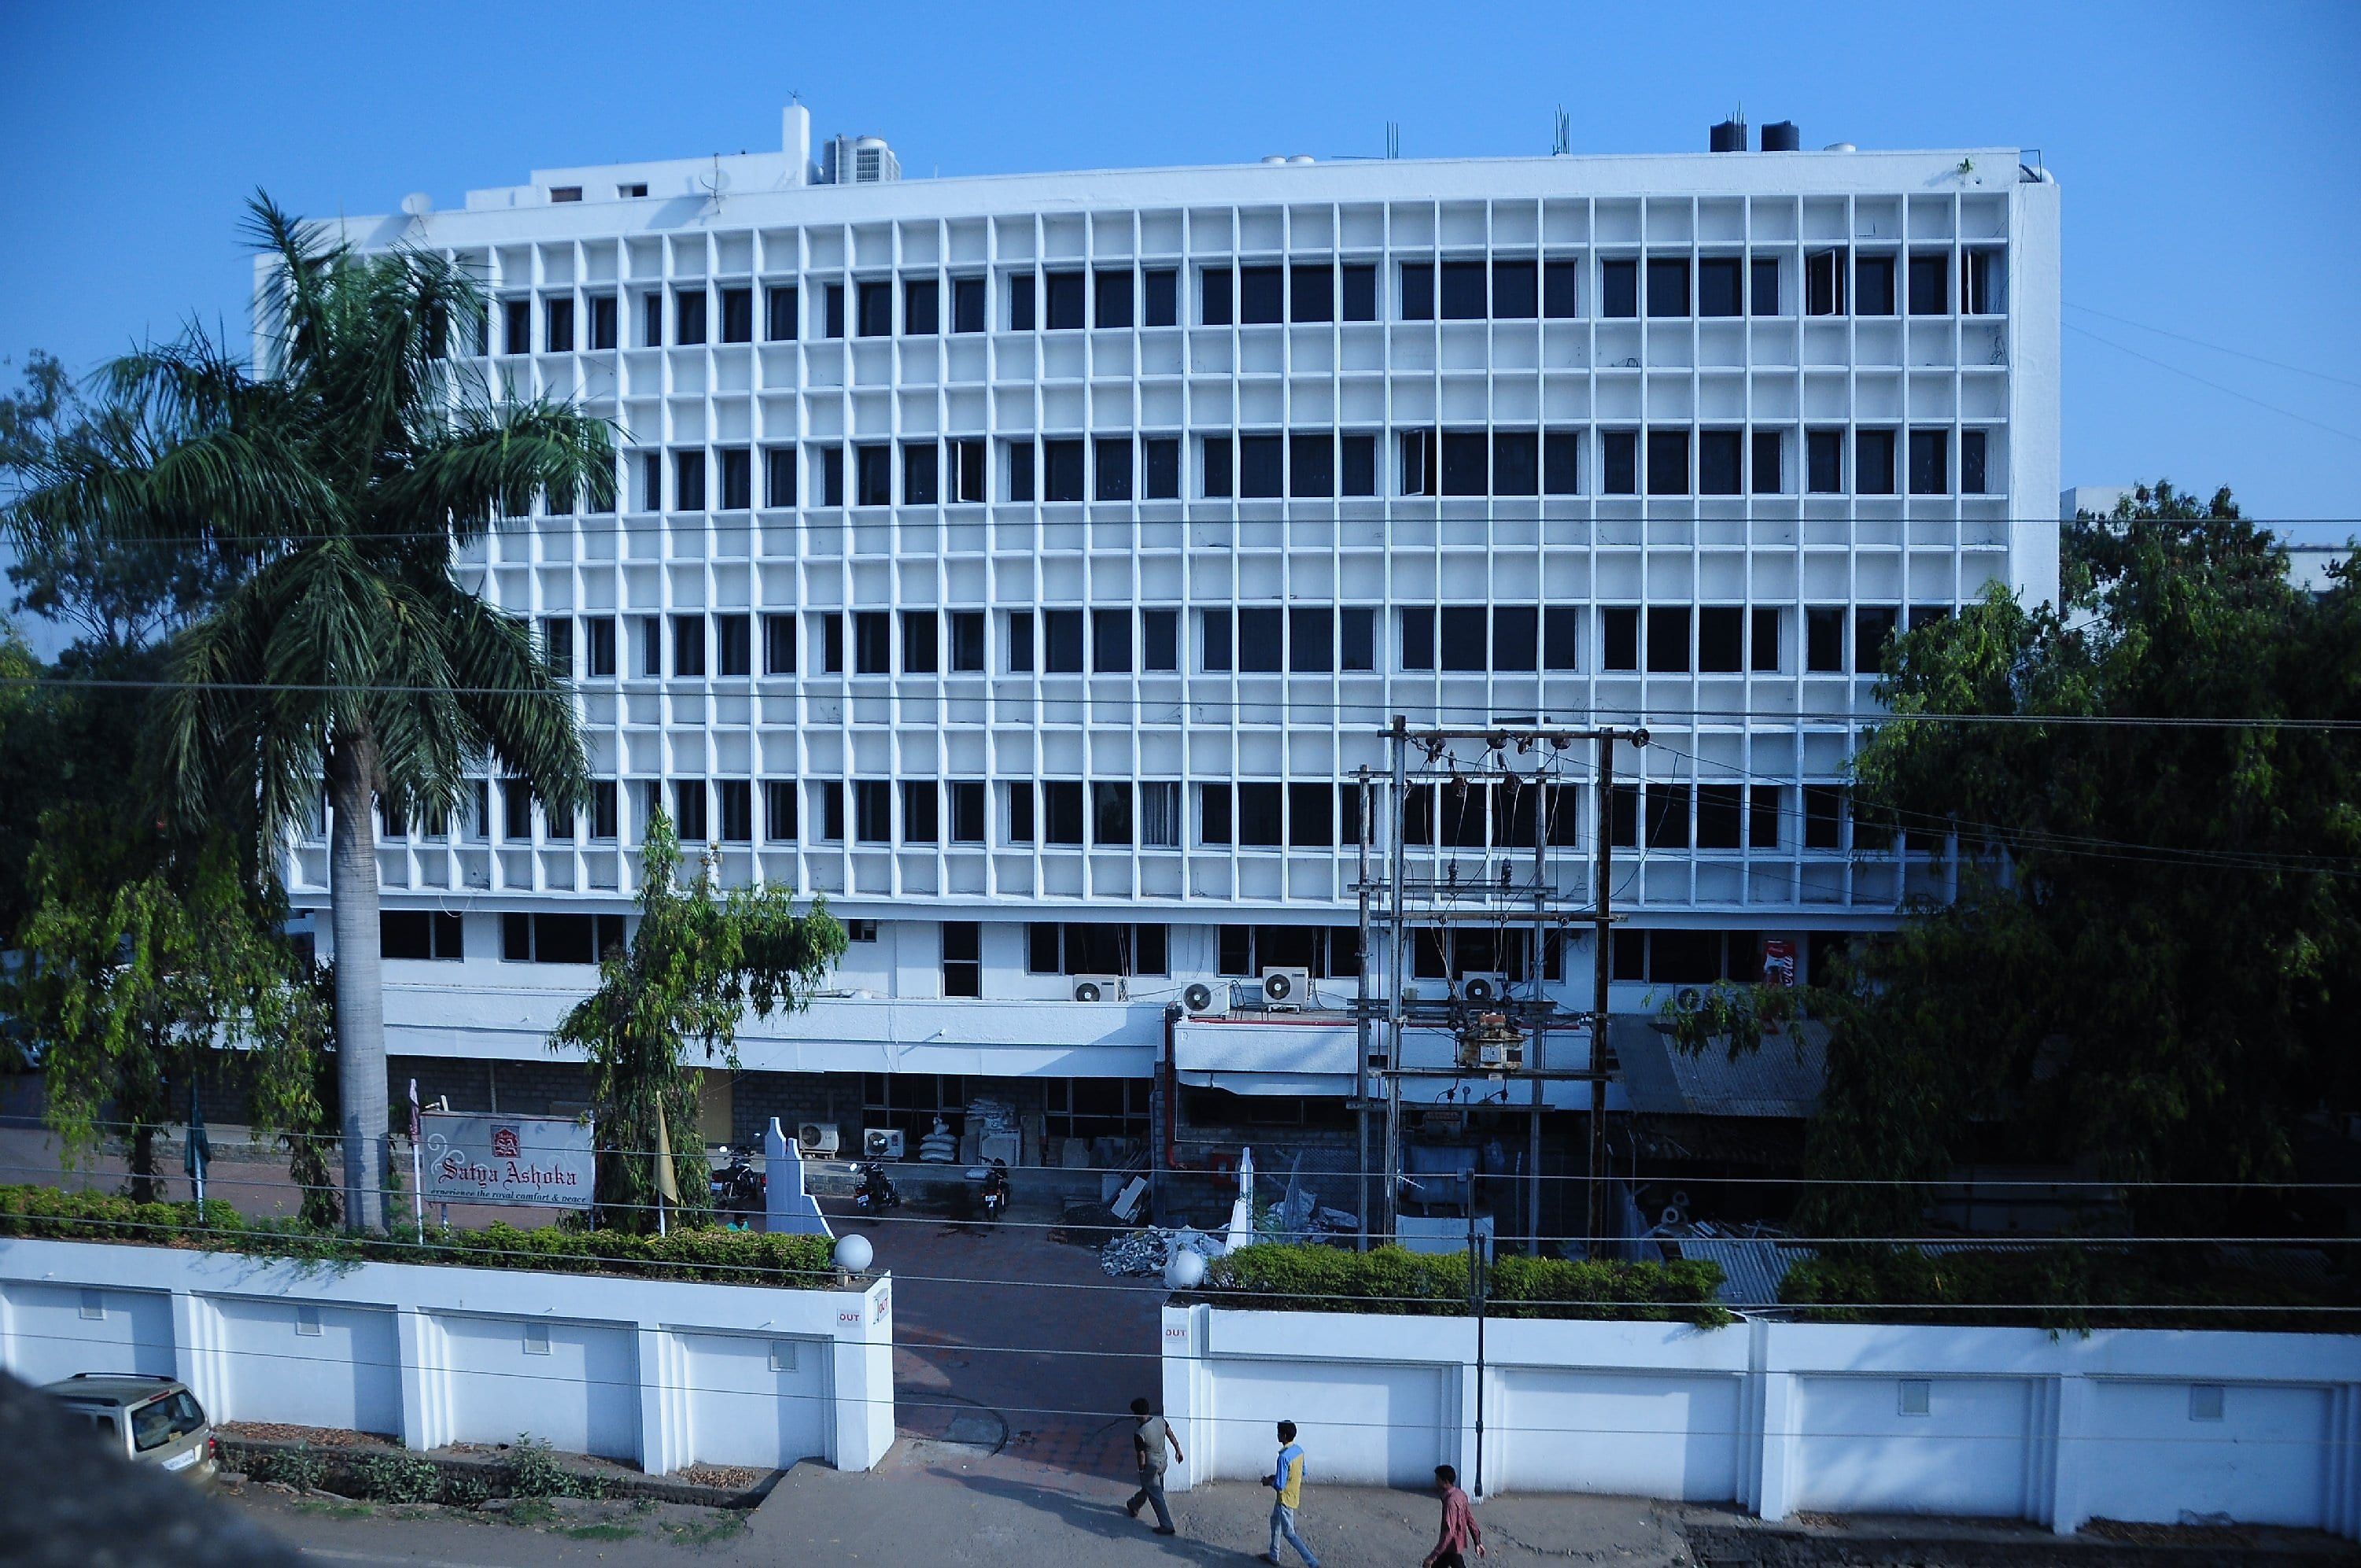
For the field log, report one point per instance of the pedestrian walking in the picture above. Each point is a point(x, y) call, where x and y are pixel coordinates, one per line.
point(1286, 1479)
point(1459, 1529)
point(1148, 1438)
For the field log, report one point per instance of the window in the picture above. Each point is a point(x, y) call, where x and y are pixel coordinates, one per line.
point(1111, 641)
point(922, 471)
point(873, 475)
point(1668, 286)
point(421, 934)
point(967, 641)
point(1668, 461)
point(1763, 286)
point(1312, 292)
point(1766, 478)
point(1464, 637)
point(1310, 815)
point(1062, 638)
point(733, 644)
point(962, 959)
point(1980, 272)
point(1929, 462)
point(1516, 638)
point(1418, 290)
point(1515, 463)
point(689, 481)
point(1618, 288)
point(1311, 466)
point(1219, 476)
point(873, 303)
point(1619, 463)
point(1971, 463)
point(873, 811)
point(1668, 815)
point(1561, 464)
point(873, 643)
point(1823, 283)
point(1258, 815)
point(1762, 813)
point(1873, 634)
point(599, 632)
point(1261, 296)
point(1062, 470)
point(968, 465)
point(779, 644)
point(1720, 285)
point(1020, 470)
point(1213, 814)
point(736, 799)
point(1161, 298)
point(1061, 810)
point(557, 325)
point(1420, 465)
point(1357, 637)
point(1111, 299)
point(688, 814)
point(778, 475)
point(651, 645)
point(1619, 642)
point(1020, 642)
point(1111, 468)
point(1720, 639)
point(1262, 463)
point(830, 796)
point(1930, 285)
point(1720, 816)
point(1561, 636)
point(832, 310)
point(1873, 285)
point(602, 322)
point(1872, 462)
point(1311, 641)
point(1111, 815)
point(557, 642)
point(1417, 638)
point(1762, 652)
point(779, 312)
point(1824, 639)
point(688, 316)
point(1467, 461)
point(911, 1100)
point(967, 811)
point(1358, 461)
point(1095, 948)
point(1718, 463)
point(1668, 640)
point(1824, 462)
point(652, 319)
point(688, 645)
point(1020, 813)
point(921, 811)
point(1214, 286)
point(922, 307)
point(920, 632)
point(736, 315)
point(737, 478)
point(1063, 302)
point(604, 811)
point(1214, 647)
point(1159, 639)
point(1823, 817)
point(1023, 301)
point(1360, 292)
point(779, 810)
point(1261, 640)
point(967, 304)
point(516, 327)
point(831, 476)
point(1160, 468)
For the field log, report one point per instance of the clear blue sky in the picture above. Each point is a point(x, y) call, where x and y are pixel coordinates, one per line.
point(2211, 155)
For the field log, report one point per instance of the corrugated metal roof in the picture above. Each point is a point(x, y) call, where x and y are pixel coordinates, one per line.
point(1782, 1078)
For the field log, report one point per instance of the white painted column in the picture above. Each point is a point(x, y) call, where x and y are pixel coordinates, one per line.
point(666, 1443)
point(860, 1365)
point(1185, 1390)
point(1776, 1397)
point(425, 1389)
point(2069, 1408)
point(197, 1360)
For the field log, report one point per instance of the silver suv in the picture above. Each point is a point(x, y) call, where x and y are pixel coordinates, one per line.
point(148, 1418)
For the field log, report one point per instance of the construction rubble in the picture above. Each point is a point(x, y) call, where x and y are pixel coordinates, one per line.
point(1145, 1252)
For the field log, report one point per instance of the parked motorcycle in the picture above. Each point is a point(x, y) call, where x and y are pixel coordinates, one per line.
point(737, 1186)
point(996, 1192)
point(875, 1191)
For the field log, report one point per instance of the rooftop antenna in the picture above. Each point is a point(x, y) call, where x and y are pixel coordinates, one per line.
point(1563, 142)
point(716, 182)
point(1393, 139)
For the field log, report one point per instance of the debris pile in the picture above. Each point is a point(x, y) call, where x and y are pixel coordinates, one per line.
point(1145, 1252)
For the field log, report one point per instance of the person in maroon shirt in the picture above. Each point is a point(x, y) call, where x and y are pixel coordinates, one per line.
point(1459, 1529)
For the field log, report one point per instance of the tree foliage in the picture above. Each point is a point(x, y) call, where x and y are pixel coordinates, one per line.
point(2154, 962)
point(699, 958)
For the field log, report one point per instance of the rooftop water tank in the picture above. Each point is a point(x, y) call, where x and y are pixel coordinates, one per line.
point(1727, 136)
point(1782, 135)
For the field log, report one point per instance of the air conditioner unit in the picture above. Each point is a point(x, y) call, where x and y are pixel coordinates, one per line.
point(882, 1143)
point(1483, 986)
point(1097, 988)
point(818, 1137)
point(1285, 990)
point(1200, 999)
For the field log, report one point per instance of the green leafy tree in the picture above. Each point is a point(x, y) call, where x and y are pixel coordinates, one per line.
point(2153, 964)
point(337, 483)
point(699, 959)
point(140, 974)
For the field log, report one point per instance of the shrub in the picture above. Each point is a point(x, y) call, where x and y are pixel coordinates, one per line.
point(299, 1467)
point(398, 1478)
point(534, 1471)
point(465, 1489)
point(712, 1255)
point(1315, 1278)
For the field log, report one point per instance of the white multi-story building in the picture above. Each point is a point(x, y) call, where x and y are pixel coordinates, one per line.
point(1027, 564)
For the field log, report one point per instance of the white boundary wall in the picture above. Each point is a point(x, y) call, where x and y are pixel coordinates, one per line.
point(2129, 1424)
point(662, 1373)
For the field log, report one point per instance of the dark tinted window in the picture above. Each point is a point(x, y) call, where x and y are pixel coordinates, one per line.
point(1561, 636)
point(1516, 637)
point(1220, 467)
point(1562, 464)
point(1359, 454)
point(1111, 480)
point(921, 634)
point(1929, 462)
point(1619, 641)
point(1417, 638)
point(1718, 472)
point(1214, 640)
point(736, 315)
point(1312, 292)
point(1259, 806)
point(1668, 286)
point(1161, 472)
point(1516, 289)
point(1971, 462)
point(1160, 639)
point(1111, 299)
point(1160, 303)
point(1311, 641)
point(1872, 462)
point(1311, 465)
point(1768, 477)
point(1262, 639)
point(1763, 288)
point(1261, 295)
point(1824, 461)
point(1215, 284)
point(1464, 637)
point(1668, 639)
point(1561, 288)
point(1618, 288)
point(1024, 301)
point(875, 302)
point(1668, 461)
point(967, 641)
point(873, 477)
point(1463, 291)
point(1357, 629)
point(1063, 301)
point(1873, 285)
point(1061, 636)
point(1465, 464)
point(922, 310)
point(1824, 639)
point(1930, 285)
point(1515, 463)
point(1360, 294)
point(1873, 634)
point(922, 473)
point(967, 304)
point(1261, 459)
point(1062, 470)
point(1720, 639)
point(688, 316)
point(873, 643)
point(1718, 286)
point(1619, 463)
point(1111, 641)
point(1418, 290)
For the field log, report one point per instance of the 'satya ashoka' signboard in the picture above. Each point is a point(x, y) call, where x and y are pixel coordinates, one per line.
point(541, 1160)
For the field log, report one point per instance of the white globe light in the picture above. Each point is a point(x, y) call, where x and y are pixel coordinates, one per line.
point(1184, 1270)
point(855, 1254)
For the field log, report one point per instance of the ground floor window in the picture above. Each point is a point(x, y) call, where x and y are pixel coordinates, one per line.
point(911, 1100)
point(1098, 1108)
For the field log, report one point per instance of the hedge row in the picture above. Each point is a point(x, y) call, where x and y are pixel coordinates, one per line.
point(1313, 1278)
point(710, 1256)
point(2069, 1288)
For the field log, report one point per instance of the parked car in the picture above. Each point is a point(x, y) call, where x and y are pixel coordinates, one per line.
point(149, 1418)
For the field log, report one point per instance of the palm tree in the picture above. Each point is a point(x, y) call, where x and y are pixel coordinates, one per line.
point(339, 477)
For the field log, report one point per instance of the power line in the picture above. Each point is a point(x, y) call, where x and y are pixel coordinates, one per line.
point(2217, 347)
point(2217, 385)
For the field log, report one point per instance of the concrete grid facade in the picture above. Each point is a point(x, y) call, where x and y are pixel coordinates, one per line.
point(950, 583)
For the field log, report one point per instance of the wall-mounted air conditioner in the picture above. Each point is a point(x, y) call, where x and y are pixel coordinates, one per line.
point(818, 1137)
point(1199, 1000)
point(882, 1143)
point(1097, 988)
point(1285, 990)
point(1484, 986)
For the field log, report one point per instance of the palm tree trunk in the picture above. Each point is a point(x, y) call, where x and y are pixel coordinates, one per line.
point(360, 991)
